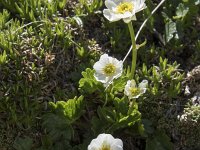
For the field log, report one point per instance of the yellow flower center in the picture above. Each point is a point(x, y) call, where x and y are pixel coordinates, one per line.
point(109, 69)
point(105, 147)
point(134, 91)
point(124, 7)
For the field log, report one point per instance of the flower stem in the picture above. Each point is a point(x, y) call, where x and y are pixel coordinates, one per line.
point(134, 50)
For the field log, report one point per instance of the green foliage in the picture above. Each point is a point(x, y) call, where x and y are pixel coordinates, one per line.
point(72, 109)
point(32, 10)
point(170, 30)
point(88, 7)
point(3, 58)
point(59, 122)
point(111, 119)
point(181, 11)
point(88, 83)
point(177, 24)
point(165, 78)
point(160, 141)
point(23, 143)
point(44, 47)
point(119, 84)
point(115, 113)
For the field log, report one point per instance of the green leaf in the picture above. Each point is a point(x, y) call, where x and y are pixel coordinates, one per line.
point(3, 58)
point(160, 141)
point(99, 126)
point(147, 126)
point(121, 105)
point(57, 127)
point(71, 110)
point(120, 83)
point(110, 120)
point(126, 121)
point(170, 30)
point(88, 83)
point(181, 11)
point(59, 122)
point(74, 108)
point(107, 114)
point(23, 143)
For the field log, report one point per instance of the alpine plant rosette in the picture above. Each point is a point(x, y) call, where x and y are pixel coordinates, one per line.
point(105, 142)
point(133, 91)
point(107, 69)
point(123, 9)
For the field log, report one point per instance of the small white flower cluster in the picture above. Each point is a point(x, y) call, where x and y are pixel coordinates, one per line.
point(106, 142)
point(123, 9)
point(108, 68)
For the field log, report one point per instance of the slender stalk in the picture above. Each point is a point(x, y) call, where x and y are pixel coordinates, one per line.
point(134, 50)
point(143, 24)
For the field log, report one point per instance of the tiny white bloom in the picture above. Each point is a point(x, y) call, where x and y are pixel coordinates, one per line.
point(132, 91)
point(105, 142)
point(123, 9)
point(107, 69)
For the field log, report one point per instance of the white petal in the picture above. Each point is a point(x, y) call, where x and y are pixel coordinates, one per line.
point(120, 64)
point(127, 14)
point(109, 80)
point(104, 58)
point(117, 2)
point(119, 68)
point(128, 84)
point(118, 142)
point(142, 91)
point(110, 15)
point(139, 5)
point(127, 0)
point(100, 77)
point(127, 20)
point(126, 92)
point(114, 61)
point(127, 87)
point(132, 83)
point(93, 147)
point(110, 4)
point(98, 67)
point(117, 145)
point(136, 96)
point(95, 144)
point(143, 84)
point(143, 7)
point(117, 75)
point(109, 138)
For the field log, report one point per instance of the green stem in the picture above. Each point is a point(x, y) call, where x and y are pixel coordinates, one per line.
point(134, 50)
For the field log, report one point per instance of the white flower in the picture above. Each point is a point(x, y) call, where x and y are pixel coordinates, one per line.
point(105, 142)
point(132, 91)
point(123, 9)
point(107, 69)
